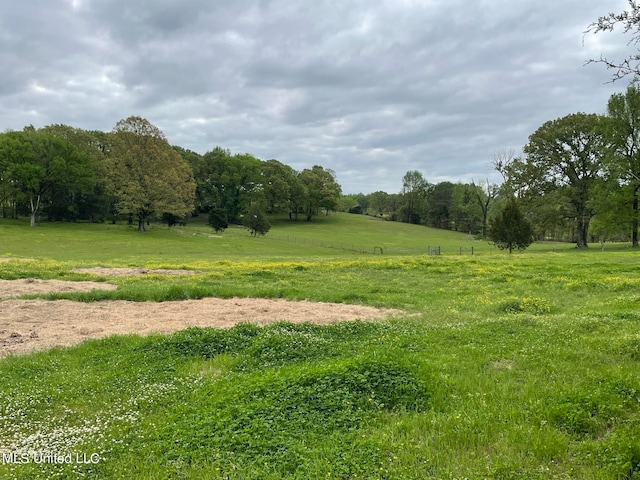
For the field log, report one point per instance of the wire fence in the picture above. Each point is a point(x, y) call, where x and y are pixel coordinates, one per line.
point(374, 249)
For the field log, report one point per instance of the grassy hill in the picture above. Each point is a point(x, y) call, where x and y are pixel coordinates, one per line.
point(500, 367)
point(338, 235)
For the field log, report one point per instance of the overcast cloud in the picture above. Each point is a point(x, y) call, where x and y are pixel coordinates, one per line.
point(370, 89)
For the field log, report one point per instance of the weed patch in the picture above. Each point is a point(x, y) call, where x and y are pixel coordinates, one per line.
point(533, 305)
point(586, 414)
point(204, 343)
point(268, 417)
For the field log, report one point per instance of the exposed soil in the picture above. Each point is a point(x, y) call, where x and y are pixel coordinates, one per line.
point(29, 325)
point(15, 288)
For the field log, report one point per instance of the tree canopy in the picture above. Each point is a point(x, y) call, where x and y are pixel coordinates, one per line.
point(578, 179)
point(564, 158)
point(623, 156)
point(132, 172)
point(34, 164)
point(146, 175)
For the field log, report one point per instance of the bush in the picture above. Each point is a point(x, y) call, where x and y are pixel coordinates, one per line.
point(218, 219)
point(256, 221)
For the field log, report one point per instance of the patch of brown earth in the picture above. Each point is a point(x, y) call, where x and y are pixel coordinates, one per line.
point(15, 288)
point(29, 325)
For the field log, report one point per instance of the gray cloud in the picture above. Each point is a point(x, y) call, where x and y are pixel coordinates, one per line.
point(369, 89)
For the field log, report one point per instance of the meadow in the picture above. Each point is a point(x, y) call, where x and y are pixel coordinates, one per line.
point(501, 366)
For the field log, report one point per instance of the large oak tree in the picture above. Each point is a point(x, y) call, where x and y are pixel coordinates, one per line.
point(230, 182)
point(147, 176)
point(94, 204)
point(321, 190)
point(565, 157)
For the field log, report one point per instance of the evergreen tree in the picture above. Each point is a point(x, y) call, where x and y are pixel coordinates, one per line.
point(218, 219)
point(510, 229)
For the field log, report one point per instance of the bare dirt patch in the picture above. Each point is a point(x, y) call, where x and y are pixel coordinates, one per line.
point(25, 286)
point(129, 272)
point(29, 325)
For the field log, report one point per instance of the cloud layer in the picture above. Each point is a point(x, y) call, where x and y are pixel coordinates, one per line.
point(370, 89)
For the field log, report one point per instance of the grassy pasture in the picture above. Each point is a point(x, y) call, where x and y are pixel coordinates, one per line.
point(337, 236)
point(504, 367)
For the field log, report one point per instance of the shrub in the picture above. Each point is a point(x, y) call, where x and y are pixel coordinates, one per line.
point(256, 221)
point(218, 219)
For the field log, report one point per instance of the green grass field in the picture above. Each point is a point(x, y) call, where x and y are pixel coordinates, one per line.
point(502, 367)
point(339, 236)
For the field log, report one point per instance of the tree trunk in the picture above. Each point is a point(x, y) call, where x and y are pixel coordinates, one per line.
point(141, 223)
point(634, 222)
point(582, 230)
point(484, 223)
point(34, 210)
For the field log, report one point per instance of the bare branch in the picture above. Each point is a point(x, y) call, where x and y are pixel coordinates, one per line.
point(629, 20)
point(501, 160)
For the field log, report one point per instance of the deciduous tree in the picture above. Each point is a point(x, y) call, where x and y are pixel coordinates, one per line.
point(33, 163)
point(93, 204)
point(379, 202)
point(321, 188)
point(564, 155)
point(147, 176)
point(278, 183)
point(230, 181)
point(439, 205)
point(466, 215)
point(414, 192)
point(623, 141)
point(256, 221)
point(484, 194)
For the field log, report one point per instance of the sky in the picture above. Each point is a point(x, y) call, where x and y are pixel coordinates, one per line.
point(368, 88)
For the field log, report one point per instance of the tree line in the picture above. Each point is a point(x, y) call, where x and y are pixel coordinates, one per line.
point(462, 207)
point(63, 173)
point(577, 180)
